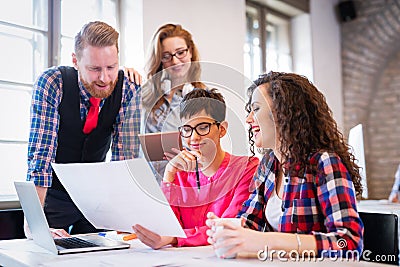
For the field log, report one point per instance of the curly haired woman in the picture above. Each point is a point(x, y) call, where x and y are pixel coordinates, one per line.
point(305, 200)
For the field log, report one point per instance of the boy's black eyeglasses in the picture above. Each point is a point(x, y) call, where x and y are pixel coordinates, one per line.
point(201, 129)
point(167, 57)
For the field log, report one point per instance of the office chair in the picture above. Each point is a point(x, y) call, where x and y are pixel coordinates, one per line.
point(11, 224)
point(381, 237)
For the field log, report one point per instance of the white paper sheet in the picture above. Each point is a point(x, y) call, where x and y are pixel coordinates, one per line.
point(116, 195)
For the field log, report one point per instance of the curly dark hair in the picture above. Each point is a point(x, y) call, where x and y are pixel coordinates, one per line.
point(304, 122)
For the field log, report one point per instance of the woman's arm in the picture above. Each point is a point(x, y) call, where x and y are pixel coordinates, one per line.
point(336, 195)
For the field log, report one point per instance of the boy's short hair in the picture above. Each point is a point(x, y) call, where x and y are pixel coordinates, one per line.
point(209, 100)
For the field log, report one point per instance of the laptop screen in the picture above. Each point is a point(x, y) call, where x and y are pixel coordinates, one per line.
point(356, 141)
point(40, 230)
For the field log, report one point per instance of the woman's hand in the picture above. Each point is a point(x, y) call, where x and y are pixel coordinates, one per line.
point(233, 238)
point(169, 156)
point(184, 161)
point(152, 239)
point(133, 75)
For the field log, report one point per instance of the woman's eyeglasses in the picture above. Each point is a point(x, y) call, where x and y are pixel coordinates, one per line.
point(201, 129)
point(167, 57)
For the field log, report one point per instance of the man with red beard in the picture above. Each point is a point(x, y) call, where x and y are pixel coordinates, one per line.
point(77, 113)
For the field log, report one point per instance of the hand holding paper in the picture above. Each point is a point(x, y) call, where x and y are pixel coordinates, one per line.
point(152, 239)
point(116, 195)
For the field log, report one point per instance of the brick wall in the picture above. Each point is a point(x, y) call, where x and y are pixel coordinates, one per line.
point(371, 87)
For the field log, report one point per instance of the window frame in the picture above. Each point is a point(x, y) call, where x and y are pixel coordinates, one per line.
point(262, 12)
point(53, 35)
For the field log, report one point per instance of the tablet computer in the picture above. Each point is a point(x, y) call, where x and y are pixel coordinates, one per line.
point(155, 144)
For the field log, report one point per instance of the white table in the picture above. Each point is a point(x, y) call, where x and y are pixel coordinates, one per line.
point(379, 206)
point(24, 252)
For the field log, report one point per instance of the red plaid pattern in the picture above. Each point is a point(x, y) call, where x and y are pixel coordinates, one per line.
point(322, 203)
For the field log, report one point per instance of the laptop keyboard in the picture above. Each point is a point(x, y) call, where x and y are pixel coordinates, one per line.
point(73, 242)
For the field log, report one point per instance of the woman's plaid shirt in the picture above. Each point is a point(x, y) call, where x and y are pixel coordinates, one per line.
point(322, 203)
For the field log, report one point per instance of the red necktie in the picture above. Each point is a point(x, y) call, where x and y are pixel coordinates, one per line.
point(92, 116)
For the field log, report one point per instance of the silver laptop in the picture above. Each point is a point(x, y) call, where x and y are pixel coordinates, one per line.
point(356, 141)
point(40, 230)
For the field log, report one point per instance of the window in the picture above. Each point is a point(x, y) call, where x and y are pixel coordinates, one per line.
point(268, 45)
point(32, 45)
point(278, 54)
point(104, 10)
point(252, 47)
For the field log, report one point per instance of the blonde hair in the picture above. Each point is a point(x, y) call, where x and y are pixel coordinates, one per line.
point(96, 33)
point(154, 65)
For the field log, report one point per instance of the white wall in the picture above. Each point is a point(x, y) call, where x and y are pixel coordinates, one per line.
point(218, 27)
point(301, 46)
point(131, 33)
point(325, 30)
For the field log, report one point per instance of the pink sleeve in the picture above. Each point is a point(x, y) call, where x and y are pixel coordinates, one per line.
point(172, 190)
point(197, 236)
point(243, 190)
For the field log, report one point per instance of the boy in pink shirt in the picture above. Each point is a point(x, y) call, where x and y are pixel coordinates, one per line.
point(202, 177)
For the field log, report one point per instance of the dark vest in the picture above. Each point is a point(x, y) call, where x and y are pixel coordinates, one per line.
point(73, 145)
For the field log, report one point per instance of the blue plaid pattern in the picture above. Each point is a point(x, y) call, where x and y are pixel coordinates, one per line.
point(46, 97)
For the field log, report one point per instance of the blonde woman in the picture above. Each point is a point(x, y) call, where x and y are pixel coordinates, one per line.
point(172, 70)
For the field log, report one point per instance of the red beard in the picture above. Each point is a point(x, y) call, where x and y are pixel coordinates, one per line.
point(96, 92)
